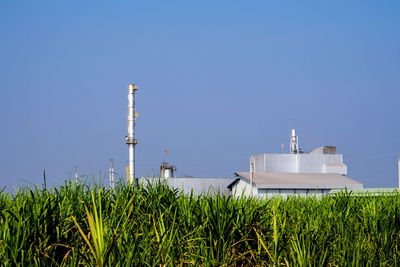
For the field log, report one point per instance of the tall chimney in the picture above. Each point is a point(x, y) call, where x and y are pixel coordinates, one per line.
point(130, 138)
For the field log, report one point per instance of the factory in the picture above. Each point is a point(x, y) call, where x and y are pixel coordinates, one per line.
point(296, 173)
point(299, 173)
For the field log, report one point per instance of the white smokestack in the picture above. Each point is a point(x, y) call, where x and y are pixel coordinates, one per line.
point(130, 138)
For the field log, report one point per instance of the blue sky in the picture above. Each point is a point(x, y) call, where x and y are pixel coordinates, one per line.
point(218, 81)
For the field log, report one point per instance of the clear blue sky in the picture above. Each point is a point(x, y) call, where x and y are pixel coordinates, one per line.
point(218, 81)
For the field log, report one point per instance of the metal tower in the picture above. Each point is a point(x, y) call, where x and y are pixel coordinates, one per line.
point(111, 172)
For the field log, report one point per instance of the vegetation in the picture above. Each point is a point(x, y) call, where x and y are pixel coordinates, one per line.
point(78, 224)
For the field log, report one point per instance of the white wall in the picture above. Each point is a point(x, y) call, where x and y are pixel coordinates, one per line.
point(268, 193)
point(300, 163)
point(242, 187)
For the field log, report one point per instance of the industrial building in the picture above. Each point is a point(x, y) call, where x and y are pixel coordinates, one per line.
point(297, 173)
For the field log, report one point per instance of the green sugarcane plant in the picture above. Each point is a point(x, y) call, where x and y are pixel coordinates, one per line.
point(96, 228)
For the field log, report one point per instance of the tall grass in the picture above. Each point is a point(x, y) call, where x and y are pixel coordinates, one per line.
point(78, 224)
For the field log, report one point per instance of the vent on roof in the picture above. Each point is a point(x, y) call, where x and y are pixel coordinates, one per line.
point(331, 150)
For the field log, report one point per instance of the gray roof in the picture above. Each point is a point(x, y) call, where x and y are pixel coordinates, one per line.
point(299, 180)
point(198, 185)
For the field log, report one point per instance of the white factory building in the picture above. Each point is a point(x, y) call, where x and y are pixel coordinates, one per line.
point(296, 173)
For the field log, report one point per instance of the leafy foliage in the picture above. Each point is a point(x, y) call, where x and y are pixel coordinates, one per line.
point(78, 224)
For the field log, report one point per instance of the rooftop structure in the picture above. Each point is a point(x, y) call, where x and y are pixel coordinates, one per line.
point(167, 170)
point(320, 160)
point(300, 163)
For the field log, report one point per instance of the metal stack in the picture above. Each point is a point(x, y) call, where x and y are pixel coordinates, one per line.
point(130, 138)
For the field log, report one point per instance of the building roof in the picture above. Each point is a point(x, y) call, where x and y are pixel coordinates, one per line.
point(299, 180)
